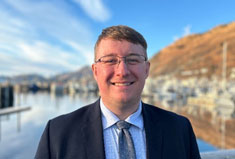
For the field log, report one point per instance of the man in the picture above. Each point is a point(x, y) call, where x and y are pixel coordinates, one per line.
point(97, 131)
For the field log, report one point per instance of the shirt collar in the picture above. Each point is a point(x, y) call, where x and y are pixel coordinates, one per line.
point(109, 118)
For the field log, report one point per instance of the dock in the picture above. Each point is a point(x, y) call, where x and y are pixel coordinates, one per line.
point(220, 154)
point(11, 110)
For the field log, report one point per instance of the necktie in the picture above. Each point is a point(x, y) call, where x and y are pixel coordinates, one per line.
point(126, 146)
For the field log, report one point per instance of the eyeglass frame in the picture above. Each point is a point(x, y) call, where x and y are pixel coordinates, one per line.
point(121, 57)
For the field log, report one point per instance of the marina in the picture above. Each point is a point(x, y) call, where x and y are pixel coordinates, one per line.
point(22, 143)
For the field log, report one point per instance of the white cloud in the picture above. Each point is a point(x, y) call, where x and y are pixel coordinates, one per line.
point(85, 50)
point(43, 55)
point(95, 9)
point(34, 38)
point(175, 38)
point(186, 32)
point(55, 19)
point(41, 58)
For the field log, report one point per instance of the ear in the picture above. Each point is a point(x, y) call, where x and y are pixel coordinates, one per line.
point(94, 70)
point(147, 69)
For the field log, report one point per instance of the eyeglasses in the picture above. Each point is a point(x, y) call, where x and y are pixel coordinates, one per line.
point(132, 59)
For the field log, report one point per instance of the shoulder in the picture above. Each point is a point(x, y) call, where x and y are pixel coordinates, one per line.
point(77, 117)
point(164, 116)
point(172, 125)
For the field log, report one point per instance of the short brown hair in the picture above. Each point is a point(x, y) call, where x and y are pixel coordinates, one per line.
point(122, 32)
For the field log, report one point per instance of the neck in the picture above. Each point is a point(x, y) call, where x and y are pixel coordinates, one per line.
point(122, 110)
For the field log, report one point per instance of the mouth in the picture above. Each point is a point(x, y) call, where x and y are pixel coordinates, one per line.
point(122, 83)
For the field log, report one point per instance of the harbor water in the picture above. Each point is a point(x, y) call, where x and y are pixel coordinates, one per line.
point(21, 132)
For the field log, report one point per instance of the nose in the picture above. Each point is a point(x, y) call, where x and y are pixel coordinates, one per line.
point(122, 68)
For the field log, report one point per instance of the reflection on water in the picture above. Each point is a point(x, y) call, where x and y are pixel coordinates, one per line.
point(20, 132)
point(19, 140)
point(214, 123)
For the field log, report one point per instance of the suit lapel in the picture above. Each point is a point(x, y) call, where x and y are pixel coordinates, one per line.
point(153, 130)
point(93, 133)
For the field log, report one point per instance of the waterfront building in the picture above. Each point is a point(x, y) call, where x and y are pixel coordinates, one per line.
point(6, 96)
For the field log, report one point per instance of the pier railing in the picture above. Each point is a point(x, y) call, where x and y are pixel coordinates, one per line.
point(220, 154)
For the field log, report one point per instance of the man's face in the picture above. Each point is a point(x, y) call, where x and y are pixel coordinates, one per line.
point(120, 83)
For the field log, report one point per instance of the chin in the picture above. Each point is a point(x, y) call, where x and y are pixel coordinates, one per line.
point(126, 99)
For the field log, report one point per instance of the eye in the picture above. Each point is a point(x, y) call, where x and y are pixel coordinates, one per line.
point(133, 60)
point(110, 60)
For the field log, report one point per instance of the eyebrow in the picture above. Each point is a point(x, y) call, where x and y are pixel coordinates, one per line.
point(113, 54)
point(134, 54)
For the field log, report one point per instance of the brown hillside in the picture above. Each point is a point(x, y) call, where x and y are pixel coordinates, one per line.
point(197, 55)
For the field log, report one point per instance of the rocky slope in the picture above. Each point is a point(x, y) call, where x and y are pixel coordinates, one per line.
point(197, 55)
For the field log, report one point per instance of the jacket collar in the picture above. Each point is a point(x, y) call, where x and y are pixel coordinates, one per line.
point(153, 130)
point(93, 133)
point(94, 139)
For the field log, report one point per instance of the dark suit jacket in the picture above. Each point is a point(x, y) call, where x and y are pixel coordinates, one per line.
point(79, 135)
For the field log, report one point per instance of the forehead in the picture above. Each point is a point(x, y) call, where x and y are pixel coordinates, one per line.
point(118, 47)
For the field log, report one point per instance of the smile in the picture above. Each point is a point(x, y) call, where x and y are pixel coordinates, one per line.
point(122, 84)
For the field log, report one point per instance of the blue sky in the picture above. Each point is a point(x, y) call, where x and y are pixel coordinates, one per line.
point(48, 37)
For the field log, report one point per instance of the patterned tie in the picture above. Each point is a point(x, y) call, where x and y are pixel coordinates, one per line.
point(126, 146)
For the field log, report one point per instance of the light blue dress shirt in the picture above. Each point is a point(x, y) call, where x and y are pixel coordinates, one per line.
point(110, 132)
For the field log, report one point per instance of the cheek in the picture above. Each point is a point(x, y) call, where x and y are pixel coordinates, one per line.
point(103, 75)
point(140, 73)
point(145, 72)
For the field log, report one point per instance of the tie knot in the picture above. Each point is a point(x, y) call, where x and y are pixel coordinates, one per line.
point(123, 125)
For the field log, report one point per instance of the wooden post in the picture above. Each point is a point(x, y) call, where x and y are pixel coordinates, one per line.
point(224, 65)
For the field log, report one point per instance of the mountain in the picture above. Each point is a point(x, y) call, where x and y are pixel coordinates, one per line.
point(29, 78)
point(4, 79)
point(85, 73)
point(197, 55)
